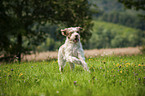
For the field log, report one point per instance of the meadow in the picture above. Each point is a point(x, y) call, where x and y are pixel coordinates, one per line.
point(110, 76)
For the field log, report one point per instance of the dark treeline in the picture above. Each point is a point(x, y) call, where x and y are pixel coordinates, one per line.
point(123, 19)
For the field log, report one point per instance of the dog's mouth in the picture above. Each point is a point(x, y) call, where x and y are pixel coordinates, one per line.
point(75, 40)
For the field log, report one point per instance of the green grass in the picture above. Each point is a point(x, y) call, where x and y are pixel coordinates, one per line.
point(110, 76)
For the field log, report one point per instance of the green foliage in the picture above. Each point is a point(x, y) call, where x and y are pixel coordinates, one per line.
point(125, 19)
point(49, 45)
point(110, 75)
point(21, 21)
point(136, 4)
point(115, 12)
point(108, 6)
point(109, 35)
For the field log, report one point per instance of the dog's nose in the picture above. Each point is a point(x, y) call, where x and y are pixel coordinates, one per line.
point(76, 36)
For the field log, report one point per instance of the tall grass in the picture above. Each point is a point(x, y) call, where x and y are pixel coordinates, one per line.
point(110, 76)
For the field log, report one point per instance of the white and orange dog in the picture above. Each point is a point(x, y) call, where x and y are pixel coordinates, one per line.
point(71, 51)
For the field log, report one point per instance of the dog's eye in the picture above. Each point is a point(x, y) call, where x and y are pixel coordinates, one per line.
point(71, 33)
point(78, 31)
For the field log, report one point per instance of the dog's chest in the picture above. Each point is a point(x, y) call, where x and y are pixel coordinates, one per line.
point(75, 52)
point(73, 49)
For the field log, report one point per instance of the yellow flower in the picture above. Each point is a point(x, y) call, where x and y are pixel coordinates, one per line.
point(120, 71)
point(20, 74)
point(139, 64)
point(117, 65)
point(128, 63)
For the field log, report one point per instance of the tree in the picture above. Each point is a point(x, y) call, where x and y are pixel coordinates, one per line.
point(135, 4)
point(20, 21)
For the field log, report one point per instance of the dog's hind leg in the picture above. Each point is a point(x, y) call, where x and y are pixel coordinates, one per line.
point(61, 59)
point(61, 64)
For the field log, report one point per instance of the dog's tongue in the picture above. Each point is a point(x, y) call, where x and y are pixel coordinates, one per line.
point(75, 40)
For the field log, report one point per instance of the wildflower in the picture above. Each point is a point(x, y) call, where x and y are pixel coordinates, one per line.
point(31, 66)
point(139, 79)
point(20, 74)
point(128, 63)
point(117, 65)
point(75, 82)
point(139, 64)
point(144, 77)
point(12, 70)
point(120, 66)
point(120, 71)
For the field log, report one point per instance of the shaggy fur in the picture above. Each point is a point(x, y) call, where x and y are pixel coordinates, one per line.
point(71, 51)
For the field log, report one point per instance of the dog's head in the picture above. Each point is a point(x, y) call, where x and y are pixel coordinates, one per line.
point(72, 33)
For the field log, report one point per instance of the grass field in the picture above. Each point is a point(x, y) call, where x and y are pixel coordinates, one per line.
point(110, 76)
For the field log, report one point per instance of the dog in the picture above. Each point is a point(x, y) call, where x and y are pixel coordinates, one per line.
point(71, 51)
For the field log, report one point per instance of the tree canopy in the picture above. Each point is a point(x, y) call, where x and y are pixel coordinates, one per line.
point(135, 4)
point(20, 21)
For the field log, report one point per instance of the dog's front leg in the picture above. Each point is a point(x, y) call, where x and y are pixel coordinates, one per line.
point(84, 64)
point(72, 59)
point(82, 59)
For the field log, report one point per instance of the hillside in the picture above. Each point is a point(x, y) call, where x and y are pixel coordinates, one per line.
point(115, 12)
point(109, 35)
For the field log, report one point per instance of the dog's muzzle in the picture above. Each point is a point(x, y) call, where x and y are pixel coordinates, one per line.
point(76, 39)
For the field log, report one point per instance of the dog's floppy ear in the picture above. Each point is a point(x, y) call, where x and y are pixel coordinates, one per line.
point(64, 32)
point(79, 29)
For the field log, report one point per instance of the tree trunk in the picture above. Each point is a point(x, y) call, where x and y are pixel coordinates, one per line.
point(19, 49)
